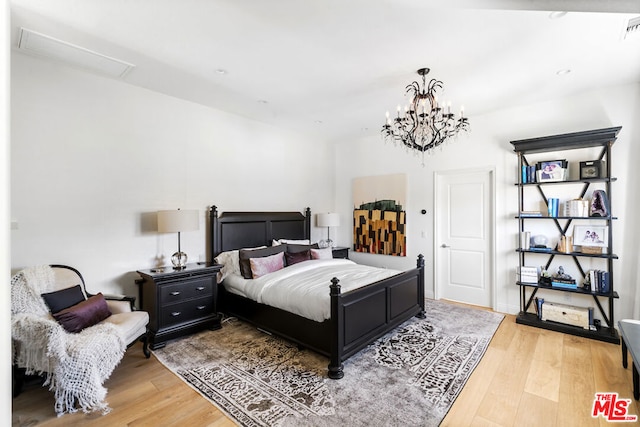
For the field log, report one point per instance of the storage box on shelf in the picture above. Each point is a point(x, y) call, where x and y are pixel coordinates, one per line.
point(560, 221)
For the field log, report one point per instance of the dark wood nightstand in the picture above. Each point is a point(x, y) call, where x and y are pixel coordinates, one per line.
point(179, 302)
point(340, 252)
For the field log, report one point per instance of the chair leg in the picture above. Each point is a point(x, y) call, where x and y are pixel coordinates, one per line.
point(145, 346)
point(18, 379)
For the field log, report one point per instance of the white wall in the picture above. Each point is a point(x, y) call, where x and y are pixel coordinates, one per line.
point(93, 159)
point(488, 146)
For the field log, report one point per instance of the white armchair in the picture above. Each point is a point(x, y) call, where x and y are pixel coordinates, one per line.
point(73, 338)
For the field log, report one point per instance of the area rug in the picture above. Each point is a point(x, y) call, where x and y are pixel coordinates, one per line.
point(409, 377)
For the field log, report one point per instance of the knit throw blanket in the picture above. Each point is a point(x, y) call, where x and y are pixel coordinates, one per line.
point(75, 365)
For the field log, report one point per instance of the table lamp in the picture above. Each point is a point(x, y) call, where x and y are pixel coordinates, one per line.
point(327, 220)
point(172, 221)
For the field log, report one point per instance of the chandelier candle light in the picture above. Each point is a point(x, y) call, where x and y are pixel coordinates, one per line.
point(425, 124)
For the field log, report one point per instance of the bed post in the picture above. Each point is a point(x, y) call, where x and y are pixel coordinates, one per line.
point(214, 237)
point(420, 265)
point(336, 347)
point(307, 222)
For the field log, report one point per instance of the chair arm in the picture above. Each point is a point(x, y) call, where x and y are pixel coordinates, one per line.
point(115, 300)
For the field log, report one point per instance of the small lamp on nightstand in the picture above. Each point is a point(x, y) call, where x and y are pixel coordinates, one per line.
point(327, 220)
point(173, 221)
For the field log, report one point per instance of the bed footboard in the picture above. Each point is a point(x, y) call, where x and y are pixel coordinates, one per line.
point(361, 316)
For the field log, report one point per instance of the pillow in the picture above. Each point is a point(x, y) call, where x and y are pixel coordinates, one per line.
point(84, 314)
point(230, 261)
point(324, 253)
point(293, 248)
point(287, 241)
point(296, 257)
point(245, 254)
point(64, 298)
point(265, 265)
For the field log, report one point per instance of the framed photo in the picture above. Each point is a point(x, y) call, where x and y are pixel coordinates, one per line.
point(590, 235)
point(551, 170)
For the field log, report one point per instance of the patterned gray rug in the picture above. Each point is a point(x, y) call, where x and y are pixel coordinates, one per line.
point(410, 377)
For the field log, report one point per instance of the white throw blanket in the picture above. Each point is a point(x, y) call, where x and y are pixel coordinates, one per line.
point(75, 365)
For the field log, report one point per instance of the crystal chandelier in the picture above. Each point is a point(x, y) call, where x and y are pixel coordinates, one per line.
point(425, 124)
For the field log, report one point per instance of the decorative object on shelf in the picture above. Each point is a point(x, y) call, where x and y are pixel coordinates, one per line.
point(590, 236)
point(563, 280)
point(576, 208)
point(425, 124)
point(599, 204)
point(566, 244)
point(539, 241)
point(172, 221)
point(545, 277)
point(327, 220)
point(551, 170)
point(592, 169)
point(526, 240)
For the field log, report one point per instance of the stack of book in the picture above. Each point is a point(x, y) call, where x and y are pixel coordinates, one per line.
point(527, 274)
point(530, 213)
point(599, 281)
point(563, 283)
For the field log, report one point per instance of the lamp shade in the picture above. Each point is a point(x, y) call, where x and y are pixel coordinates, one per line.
point(328, 220)
point(177, 220)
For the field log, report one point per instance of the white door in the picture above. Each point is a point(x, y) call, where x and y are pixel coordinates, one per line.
point(464, 236)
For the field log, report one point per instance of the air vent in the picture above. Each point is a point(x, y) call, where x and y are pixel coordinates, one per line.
point(42, 45)
point(633, 28)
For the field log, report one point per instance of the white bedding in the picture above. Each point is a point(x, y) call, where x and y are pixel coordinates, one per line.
point(303, 288)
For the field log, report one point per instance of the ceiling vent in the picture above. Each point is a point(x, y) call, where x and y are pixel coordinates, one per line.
point(633, 28)
point(41, 45)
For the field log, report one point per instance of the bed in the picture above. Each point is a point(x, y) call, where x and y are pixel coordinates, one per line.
point(357, 317)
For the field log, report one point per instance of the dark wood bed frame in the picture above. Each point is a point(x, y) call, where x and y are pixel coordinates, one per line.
point(358, 317)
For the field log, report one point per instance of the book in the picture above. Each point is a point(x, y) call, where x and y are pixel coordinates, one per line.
point(563, 285)
point(530, 213)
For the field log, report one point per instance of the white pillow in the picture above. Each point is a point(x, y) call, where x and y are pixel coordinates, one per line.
point(230, 262)
point(293, 242)
point(324, 253)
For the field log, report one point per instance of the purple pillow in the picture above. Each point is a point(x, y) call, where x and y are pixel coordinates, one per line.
point(266, 265)
point(296, 257)
point(84, 314)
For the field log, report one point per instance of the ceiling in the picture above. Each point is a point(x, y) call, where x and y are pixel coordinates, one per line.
point(332, 68)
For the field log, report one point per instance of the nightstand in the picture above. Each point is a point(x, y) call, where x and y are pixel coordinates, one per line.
point(179, 302)
point(340, 252)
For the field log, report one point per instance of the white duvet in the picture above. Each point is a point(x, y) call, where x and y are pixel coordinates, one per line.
point(303, 288)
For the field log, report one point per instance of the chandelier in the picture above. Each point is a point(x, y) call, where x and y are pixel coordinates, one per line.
point(425, 124)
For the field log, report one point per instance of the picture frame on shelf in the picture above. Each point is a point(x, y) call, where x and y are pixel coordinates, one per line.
point(551, 170)
point(592, 236)
point(592, 169)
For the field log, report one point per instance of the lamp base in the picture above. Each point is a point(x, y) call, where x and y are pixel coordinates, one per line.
point(179, 261)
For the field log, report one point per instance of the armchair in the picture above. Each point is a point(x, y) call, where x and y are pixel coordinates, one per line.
point(72, 338)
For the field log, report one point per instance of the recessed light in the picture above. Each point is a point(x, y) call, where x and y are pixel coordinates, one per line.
point(563, 72)
point(221, 71)
point(557, 14)
point(318, 122)
point(262, 101)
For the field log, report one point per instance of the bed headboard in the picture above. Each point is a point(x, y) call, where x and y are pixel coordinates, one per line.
point(236, 230)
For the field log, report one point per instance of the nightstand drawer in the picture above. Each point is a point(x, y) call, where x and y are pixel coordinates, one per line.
point(196, 288)
point(186, 311)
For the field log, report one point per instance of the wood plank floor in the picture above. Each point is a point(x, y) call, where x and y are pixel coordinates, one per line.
point(528, 376)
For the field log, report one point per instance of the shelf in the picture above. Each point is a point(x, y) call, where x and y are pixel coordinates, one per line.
point(569, 141)
point(580, 254)
point(613, 294)
point(602, 334)
point(601, 218)
point(569, 181)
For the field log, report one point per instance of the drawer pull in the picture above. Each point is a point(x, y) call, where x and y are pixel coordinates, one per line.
point(174, 293)
point(200, 288)
point(201, 307)
point(176, 313)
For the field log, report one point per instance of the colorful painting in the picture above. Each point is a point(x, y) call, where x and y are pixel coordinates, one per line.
point(379, 219)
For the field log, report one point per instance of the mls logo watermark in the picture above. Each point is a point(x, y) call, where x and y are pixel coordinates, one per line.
point(612, 408)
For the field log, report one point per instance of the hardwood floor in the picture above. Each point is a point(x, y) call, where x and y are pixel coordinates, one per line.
point(528, 376)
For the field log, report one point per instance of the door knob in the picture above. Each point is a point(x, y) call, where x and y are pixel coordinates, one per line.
point(444, 245)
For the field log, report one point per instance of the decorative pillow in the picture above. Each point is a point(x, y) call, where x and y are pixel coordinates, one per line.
point(293, 248)
point(324, 253)
point(287, 241)
point(245, 254)
point(230, 262)
point(296, 257)
point(266, 265)
point(84, 314)
point(64, 298)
